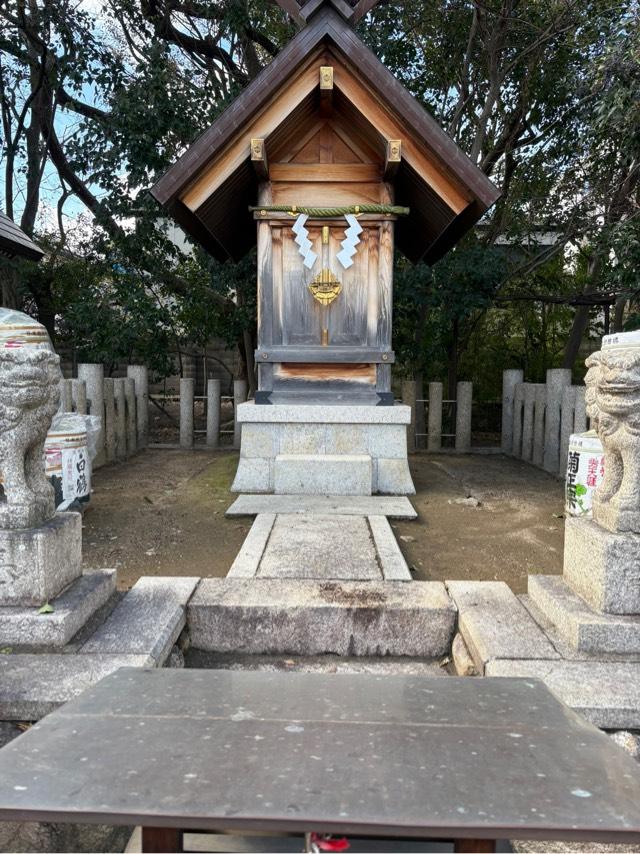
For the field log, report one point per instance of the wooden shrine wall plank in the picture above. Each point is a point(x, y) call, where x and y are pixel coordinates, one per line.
point(347, 314)
point(319, 194)
point(325, 171)
point(277, 281)
point(373, 296)
point(301, 311)
point(265, 273)
point(385, 286)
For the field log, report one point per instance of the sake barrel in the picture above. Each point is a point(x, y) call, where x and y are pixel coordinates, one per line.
point(68, 466)
point(585, 470)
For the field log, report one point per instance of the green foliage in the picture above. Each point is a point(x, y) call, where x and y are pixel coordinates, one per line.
point(544, 97)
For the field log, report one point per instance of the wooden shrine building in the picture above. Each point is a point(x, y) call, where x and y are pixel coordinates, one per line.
point(325, 126)
point(327, 162)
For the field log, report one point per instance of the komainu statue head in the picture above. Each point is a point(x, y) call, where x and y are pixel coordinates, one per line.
point(29, 397)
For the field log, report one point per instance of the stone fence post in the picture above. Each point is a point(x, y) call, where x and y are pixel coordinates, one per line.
point(528, 417)
point(213, 413)
point(510, 379)
point(557, 380)
point(409, 394)
point(93, 377)
point(239, 396)
point(80, 396)
point(140, 376)
point(131, 416)
point(187, 390)
point(120, 419)
point(464, 402)
point(109, 419)
point(518, 411)
point(66, 396)
point(579, 413)
point(538, 423)
point(434, 442)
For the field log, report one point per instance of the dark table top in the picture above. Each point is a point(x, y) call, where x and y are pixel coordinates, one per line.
point(392, 755)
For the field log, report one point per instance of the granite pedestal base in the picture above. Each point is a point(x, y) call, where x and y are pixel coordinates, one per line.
point(323, 450)
point(602, 567)
point(38, 563)
point(27, 627)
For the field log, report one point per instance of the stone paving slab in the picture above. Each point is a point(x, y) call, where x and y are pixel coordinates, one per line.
point(71, 610)
point(248, 558)
point(322, 474)
point(31, 686)
point(317, 546)
point(394, 566)
point(585, 629)
point(495, 625)
point(391, 506)
point(606, 693)
point(327, 547)
point(299, 617)
point(147, 622)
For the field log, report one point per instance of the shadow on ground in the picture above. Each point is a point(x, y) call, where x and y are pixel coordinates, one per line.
point(162, 513)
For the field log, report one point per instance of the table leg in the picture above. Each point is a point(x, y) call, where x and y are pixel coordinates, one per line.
point(474, 846)
point(167, 840)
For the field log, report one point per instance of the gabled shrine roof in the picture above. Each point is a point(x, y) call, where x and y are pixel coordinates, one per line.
point(210, 188)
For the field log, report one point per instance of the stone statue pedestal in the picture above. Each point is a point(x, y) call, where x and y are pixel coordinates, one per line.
point(323, 450)
point(602, 567)
point(36, 564)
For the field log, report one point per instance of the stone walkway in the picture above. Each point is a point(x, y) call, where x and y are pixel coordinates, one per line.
point(321, 546)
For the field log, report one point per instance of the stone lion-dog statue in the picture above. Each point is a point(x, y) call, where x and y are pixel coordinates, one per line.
point(613, 404)
point(29, 398)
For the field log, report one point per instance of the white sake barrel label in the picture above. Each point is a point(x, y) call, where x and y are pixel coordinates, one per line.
point(585, 470)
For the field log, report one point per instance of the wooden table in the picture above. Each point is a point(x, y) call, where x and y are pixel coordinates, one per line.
point(471, 760)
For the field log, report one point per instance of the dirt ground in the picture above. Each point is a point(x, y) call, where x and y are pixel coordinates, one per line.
point(162, 513)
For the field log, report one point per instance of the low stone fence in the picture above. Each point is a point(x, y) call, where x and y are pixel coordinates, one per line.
point(539, 418)
point(213, 400)
point(427, 417)
point(121, 403)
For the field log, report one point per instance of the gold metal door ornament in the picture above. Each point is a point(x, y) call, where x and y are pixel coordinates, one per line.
point(325, 287)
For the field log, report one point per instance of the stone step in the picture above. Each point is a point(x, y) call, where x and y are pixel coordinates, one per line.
point(495, 625)
point(147, 621)
point(388, 666)
point(32, 686)
point(585, 629)
point(331, 547)
point(301, 617)
point(391, 506)
point(322, 474)
point(606, 693)
point(71, 609)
